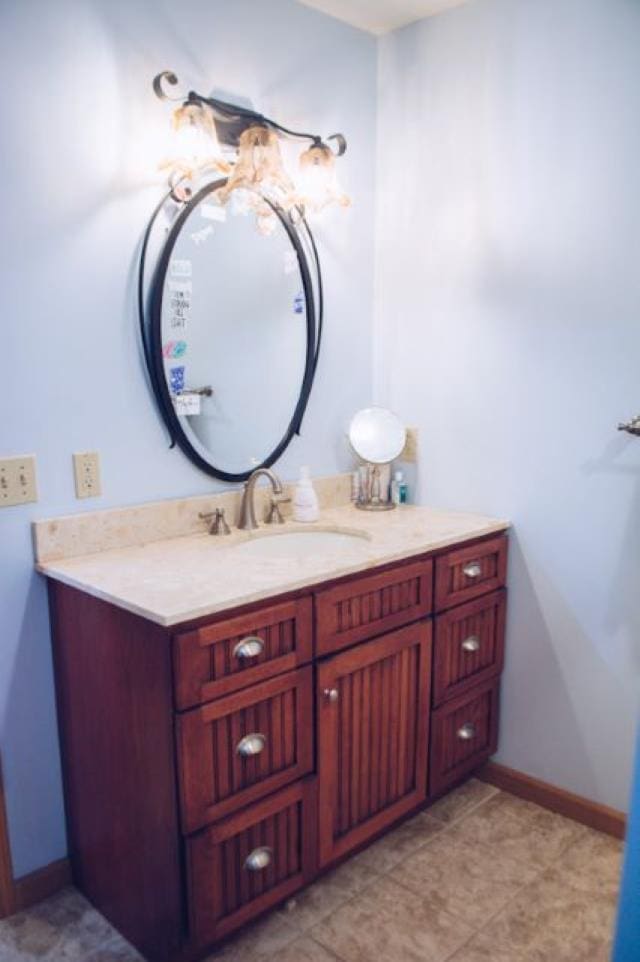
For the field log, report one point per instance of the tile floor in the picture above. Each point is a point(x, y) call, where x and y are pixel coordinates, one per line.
point(481, 877)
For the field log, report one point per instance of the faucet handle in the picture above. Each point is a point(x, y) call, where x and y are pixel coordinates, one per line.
point(218, 521)
point(275, 514)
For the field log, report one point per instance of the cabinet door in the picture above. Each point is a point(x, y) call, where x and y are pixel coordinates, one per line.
point(373, 721)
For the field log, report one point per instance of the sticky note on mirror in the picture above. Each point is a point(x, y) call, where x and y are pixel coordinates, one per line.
point(180, 268)
point(179, 304)
point(290, 262)
point(213, 212)
point(187, 404)
point(200, 236)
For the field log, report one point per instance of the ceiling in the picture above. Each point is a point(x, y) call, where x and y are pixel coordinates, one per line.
point(380, 16)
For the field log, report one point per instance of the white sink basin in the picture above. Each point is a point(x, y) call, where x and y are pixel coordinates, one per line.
point(302, 544)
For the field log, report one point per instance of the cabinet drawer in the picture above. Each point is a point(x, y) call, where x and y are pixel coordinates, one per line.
point(232, 654)
point(251, 861)
point(464, 733)
point(372, 605)
point(466, 573)
point(469, 645)
point(237, 749)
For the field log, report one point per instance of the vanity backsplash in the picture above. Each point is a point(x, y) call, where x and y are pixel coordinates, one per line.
point(89, 532)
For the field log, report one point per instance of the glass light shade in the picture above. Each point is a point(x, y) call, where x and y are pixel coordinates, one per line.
point(317, 182)
point(259, 166)
point(196, 144)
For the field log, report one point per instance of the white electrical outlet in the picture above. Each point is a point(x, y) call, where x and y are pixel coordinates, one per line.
point(86, 471)
point(18, 480)
point(410, 450)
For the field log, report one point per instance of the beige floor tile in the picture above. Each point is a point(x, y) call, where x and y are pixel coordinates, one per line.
point(467, 879)
point(304, 949)
point(513, 827)
point(592, 864)
point(416, 895)
point(482, 948)
point(388, 922)
point(408, 838)
point(329, 893)
point(64, 926)
point(550, 921)
point(257, 942)
point(462, 800)
point(115, 950)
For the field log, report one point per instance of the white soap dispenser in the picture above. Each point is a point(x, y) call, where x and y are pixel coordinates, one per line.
point(305, 499)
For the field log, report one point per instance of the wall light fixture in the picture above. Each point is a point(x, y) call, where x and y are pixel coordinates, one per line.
point(214, 137)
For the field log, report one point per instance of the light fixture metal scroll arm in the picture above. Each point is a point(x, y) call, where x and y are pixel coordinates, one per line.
point(632, 426)
point(227, 111)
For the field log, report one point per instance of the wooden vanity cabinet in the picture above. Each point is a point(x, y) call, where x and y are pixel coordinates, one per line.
point(214, 768)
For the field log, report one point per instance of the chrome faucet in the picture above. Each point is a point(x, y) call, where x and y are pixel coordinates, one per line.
point(247, 507)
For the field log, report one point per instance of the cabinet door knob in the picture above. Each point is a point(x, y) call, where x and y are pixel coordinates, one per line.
point(249, 647)
point(467, 732)
point(331, 694)
point(251, 744)
point(472, 570)
point(258, 859)
point(472, 643)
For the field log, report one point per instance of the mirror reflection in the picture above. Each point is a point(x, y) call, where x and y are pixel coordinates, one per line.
point(377, 435)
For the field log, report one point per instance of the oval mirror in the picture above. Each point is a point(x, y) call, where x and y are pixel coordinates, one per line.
point(233, 332)
point(377, 435)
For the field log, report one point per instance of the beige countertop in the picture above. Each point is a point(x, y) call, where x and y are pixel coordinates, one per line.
point(182, 578)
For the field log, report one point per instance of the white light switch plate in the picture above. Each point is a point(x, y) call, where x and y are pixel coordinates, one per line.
point(18, 480)
point(86, 471)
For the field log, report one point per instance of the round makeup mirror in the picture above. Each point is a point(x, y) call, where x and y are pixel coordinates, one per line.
point(377, 435)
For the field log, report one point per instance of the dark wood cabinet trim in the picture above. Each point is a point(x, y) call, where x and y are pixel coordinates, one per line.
point(115, 705)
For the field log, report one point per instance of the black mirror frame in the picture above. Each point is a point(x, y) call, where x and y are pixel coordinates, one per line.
point(151, 329)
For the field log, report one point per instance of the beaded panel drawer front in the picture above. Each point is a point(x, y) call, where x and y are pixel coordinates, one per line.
point(464, 733)
point(469, 645)
point(236, 652)
point(371, 605)
point(466, 573)
point(238, 749)
point(255, 859)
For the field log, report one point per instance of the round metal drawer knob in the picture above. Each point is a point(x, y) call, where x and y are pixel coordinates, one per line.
point(467, 732)
point(331, 694)
point(259, 859)
point(249, 647)
point(472, 570)
point(470, 644)
point(251, 744)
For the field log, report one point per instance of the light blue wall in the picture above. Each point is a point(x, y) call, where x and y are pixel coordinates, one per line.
point(82, 133)
point(508, 330)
